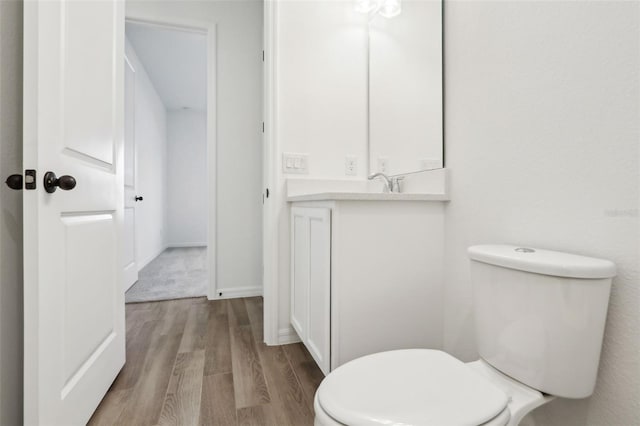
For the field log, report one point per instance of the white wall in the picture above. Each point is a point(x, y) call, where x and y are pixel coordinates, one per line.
point(322, 101)
point(322, 86)
point(151, 165)
point(542, 130)
point(239, 131)
point(187, 201)
point(11, 290)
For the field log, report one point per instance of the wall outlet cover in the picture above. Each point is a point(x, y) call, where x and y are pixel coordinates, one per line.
point(383, 164)
point(351, 166)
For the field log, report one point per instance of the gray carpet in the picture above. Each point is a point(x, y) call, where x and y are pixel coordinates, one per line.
point(176, 273)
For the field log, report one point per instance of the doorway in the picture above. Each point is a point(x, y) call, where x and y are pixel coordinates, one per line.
point(167, 197)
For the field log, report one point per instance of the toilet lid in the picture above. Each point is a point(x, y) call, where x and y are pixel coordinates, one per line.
point(409, 387)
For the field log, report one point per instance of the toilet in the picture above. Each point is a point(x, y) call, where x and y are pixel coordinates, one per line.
point(539, 323)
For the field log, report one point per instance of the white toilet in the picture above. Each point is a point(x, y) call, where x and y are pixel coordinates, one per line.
point(539, 318)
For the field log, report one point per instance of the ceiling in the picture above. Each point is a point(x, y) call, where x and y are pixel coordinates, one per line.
point(176, 62)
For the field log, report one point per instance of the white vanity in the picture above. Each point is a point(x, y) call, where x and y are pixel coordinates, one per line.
point(366, 272)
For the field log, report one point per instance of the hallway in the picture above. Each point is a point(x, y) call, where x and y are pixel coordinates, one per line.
point(193, 361)
point(177, 273)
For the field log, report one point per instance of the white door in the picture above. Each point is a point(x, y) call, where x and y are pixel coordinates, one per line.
point(130, 197)
point(73, 125)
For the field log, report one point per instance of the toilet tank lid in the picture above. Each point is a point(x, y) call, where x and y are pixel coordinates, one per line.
point(544, 262)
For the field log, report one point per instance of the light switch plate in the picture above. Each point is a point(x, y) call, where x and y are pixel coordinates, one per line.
point(293, 163)
point(351, 166)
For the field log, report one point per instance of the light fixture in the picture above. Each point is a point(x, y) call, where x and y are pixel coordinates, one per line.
point(390, 8)
point(366, 6)
point(386, 8)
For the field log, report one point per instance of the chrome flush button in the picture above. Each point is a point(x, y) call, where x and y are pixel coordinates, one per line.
point(525, 250)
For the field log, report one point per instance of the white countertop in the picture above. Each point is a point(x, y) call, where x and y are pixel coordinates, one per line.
point(366, 196)
point(431, 186)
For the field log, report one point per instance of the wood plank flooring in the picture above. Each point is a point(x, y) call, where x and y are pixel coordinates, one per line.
point(199, 362)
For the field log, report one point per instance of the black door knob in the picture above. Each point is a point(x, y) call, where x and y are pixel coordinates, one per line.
point(139, 198)
point(14, 182)
point(52, 182)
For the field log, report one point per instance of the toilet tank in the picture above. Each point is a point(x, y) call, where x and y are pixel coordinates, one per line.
point(540, 315)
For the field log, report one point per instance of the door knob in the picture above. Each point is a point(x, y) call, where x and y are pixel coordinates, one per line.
point(139, 198)
point(14, 182)
point(52, 182)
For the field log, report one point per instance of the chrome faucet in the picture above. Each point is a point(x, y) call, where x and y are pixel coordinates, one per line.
point(391, 184)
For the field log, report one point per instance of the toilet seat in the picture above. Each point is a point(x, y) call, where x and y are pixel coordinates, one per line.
point(410, 387)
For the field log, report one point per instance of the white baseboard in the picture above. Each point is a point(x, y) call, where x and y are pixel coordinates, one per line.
point(150, 258)
point(235, 292)
point(287, 335)
point(179, 245)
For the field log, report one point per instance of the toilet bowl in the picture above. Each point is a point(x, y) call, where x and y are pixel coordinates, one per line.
point(539, 319)
point(422, 387)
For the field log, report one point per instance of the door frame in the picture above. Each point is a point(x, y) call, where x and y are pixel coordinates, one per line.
point(210, 31)
point(273, 181)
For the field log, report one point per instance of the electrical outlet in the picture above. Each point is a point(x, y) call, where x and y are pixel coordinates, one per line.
point(383, 164)
point(351, 166)
point(295, 163)
point(430, 163)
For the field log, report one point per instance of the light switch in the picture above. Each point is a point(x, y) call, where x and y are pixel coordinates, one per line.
point(295, 163)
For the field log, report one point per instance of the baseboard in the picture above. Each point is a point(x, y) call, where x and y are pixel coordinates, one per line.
point(287, 335)
point(150, 258)
point(232, 293)
point(179, 245)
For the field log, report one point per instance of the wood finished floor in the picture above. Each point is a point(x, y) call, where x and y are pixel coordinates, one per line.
point(199, 362)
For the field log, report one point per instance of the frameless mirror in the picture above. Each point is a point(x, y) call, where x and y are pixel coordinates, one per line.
point(405, 89)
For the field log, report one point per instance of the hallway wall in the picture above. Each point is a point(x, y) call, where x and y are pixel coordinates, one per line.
point(239, 132)
point(150, 123)
point(187, 188)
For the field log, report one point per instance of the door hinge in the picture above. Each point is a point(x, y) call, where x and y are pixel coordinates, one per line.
point(263, 56)
point(263, 127)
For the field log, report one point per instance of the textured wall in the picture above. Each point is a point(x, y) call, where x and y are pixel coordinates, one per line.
point(542, 130)
point(10, 214)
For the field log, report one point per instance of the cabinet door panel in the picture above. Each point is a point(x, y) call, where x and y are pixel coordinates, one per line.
point(300, 272)
point(318, 335)
point(311, 281)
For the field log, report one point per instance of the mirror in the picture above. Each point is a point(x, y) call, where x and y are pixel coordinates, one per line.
point(405, 89)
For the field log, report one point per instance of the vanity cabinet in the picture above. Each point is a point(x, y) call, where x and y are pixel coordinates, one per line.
point(311, 278)
point(366, 276)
